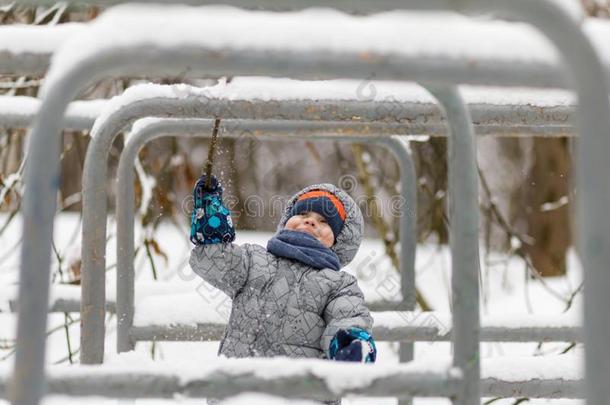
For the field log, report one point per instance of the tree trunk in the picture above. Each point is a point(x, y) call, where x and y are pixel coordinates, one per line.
point(547, 206)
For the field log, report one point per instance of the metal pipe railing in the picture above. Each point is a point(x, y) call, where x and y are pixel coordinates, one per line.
point(489, 119)
point(398, 333)
point(463, 190)
point(95, 169)
point(462, 161)
point(463, 211)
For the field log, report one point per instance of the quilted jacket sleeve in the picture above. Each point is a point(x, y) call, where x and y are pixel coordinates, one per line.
point(223, 265)
point(345, 309)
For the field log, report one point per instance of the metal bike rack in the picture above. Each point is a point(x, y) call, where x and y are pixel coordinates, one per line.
point(95, 212)
point(584, 69)
point(464, 236)
point(92, 336)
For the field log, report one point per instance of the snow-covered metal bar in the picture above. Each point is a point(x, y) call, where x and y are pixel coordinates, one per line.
point(305, 378)
point(134, 377)
point(527, 113)
point(27, 49)
point(63, 305)
point(408, 238)
point(319, 59)
point(20, 112)
point(463, 211)
point(403, 333)
point(596, 30)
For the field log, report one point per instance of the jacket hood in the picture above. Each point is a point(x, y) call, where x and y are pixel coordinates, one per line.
point(348, 241)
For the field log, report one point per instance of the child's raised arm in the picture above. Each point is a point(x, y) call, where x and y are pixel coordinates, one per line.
point(214, 258)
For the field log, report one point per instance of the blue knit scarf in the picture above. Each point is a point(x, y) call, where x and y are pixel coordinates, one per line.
point(303, 247)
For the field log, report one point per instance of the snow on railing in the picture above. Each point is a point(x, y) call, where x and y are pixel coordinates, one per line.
point(131, 375)
point(20, 111)
point(27, 49)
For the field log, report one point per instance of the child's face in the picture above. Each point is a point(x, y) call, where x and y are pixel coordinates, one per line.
point(313, 224)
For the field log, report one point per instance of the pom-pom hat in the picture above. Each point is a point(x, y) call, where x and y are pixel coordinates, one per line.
point(347, 241)
point(324, 203)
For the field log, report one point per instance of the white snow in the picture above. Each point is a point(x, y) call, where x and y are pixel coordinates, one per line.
point(549, 206)
point(148, 184)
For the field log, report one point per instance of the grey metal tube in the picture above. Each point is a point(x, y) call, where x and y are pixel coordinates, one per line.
point(95, 169)
point(399, 147)
point(29, 63)
point(506, 120)
point(75, 118)
point(408, 239)
point(200, 127)
point(587, 75)
point(141, 384)
point(223, 381)
point(488, 119)
point(585, 70)
point(62, 305)
point(464, 239)
point(213, 331)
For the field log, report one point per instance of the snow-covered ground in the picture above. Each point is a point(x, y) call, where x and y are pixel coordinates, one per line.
point(505, 291)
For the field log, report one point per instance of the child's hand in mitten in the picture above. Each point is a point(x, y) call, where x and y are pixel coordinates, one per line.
point(353, 344)
point(211, 220)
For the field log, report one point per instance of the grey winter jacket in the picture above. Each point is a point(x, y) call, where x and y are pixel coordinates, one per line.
point(282, 307)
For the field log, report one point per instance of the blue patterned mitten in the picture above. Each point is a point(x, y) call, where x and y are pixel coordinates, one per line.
point(353, 344)
point(211, 220)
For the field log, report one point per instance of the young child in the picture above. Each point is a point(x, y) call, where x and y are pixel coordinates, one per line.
point(290, 298)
